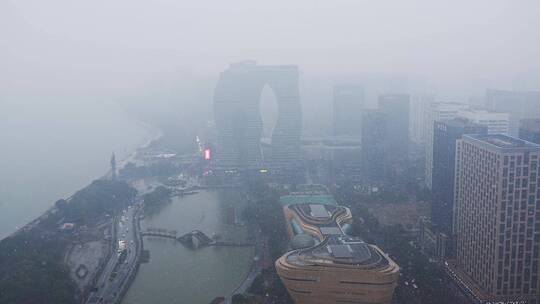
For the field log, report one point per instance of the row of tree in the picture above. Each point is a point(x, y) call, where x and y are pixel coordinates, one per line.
point(266, 213)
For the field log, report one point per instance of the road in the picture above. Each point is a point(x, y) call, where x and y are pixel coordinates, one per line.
point(115, 275)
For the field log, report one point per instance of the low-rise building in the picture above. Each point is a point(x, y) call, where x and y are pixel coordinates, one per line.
point(433, 243)
point(324, 264)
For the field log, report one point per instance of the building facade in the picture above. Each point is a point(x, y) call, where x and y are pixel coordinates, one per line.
point(496, 122)
point(529, 130)
point(519, 105)
point(498, 218)
point(396, 109)
point(446, 134)
point(374, 124)
point(324, 264)
point(434, 112)
point(238, 118)
point(347, 109)
point(417, 129)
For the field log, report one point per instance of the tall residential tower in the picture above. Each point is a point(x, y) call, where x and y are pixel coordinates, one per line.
point(498, 218)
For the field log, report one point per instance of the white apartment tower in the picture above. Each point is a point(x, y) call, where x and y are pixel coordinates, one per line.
point(496, 122)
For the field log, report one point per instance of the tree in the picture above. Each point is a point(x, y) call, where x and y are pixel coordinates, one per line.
point(158, 195)
point(60, 204)
point(100, 197)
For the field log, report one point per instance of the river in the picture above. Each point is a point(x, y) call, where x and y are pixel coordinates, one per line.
point(177, 274)
point(49, 149)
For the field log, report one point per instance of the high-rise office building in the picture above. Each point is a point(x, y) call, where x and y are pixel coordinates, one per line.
point(374, 124)
point(437, 111)
point(419, 106)
point(446, 133)
point(496, 122)
point(347, 108)
point(497, 221)
point(396, 109)
point(520, 105)
point(529, 130)
point(238, 118)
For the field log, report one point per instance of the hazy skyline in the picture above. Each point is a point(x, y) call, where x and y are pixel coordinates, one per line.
point(116, 45)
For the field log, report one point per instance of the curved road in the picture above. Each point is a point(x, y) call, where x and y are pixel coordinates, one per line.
point(115, 277)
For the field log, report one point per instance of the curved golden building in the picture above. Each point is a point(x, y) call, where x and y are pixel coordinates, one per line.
point(333, 267)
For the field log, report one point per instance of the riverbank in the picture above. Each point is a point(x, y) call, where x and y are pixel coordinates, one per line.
point(37, 254)
point(256, 266)
point(52, 155)
point(155, 135)
point(48, 251)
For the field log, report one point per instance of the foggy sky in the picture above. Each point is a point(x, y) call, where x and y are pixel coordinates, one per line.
point(111, 45)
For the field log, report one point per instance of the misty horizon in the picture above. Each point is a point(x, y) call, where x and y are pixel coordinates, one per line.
point(456, 49)
point(269, 152)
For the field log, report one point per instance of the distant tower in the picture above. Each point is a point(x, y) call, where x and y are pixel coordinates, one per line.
point(113, 167)
point(396, 143)
point(347, 110)
point(374, 124)
point(238, 116)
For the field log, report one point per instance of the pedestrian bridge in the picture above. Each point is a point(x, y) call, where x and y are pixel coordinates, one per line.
point(194, 239)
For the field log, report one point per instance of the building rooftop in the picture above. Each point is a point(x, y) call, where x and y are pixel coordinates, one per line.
point(503, 141)
point(325, 263)
point(458, 123)
point(314, 207)
point(448, 103)
point(331, 245)
point(313, 194)
point(330, 231)
point(393, 96)
point(342, 140)
point(307, 199)
point(318, 211)
point(480, 111)
point(341, 250)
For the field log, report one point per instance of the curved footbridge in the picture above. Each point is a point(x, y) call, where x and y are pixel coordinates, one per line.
point(194, 239)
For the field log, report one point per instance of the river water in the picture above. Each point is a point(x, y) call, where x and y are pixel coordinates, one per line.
point(49, 149)
point(177, 274)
